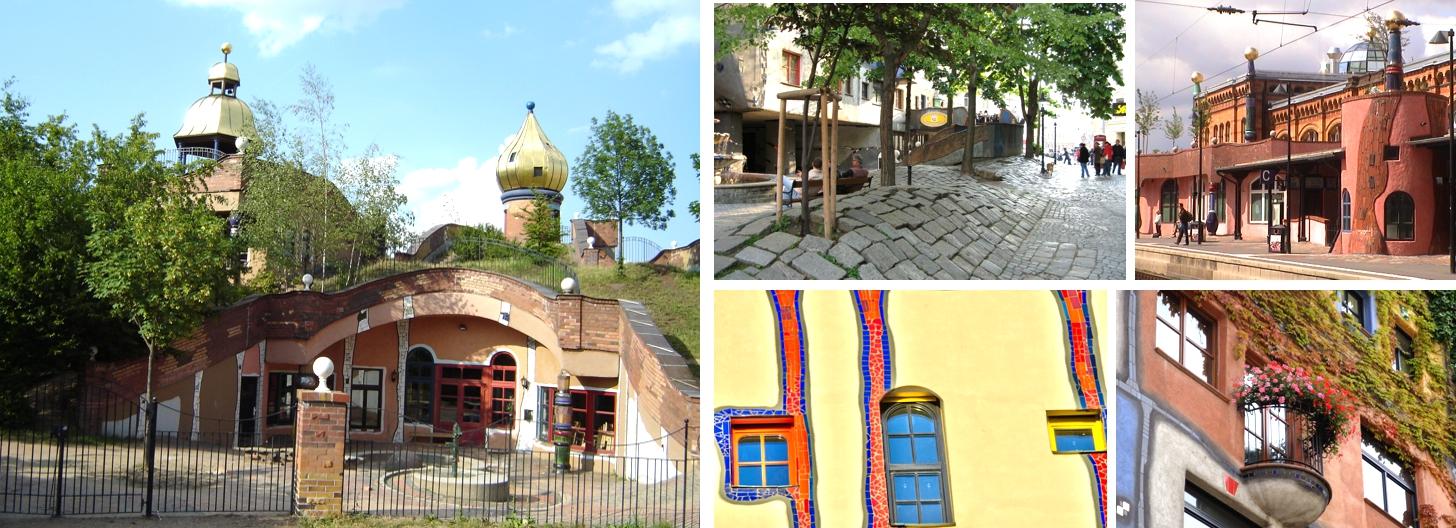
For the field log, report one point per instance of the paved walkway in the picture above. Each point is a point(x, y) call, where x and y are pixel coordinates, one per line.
point(941, 225)
point(1380, 266)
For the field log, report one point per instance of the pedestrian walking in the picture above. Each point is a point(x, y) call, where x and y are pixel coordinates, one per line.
point(1097, 160)
point(1185, 222)
point(1109, 161)
point(1119, 153)
point(1082, 157)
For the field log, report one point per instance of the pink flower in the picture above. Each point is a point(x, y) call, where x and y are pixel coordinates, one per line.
point(1281, 400)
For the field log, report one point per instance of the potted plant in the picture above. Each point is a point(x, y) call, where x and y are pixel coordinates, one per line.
point(1325, 407)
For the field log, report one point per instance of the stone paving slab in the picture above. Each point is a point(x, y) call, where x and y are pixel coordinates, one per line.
point(948, 226)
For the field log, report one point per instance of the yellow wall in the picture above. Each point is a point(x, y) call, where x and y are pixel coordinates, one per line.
point(997, 360)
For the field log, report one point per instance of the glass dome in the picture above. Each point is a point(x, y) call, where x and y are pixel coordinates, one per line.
point(1362, 58)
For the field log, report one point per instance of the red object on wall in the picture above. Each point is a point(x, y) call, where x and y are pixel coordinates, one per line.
point(1231, 485)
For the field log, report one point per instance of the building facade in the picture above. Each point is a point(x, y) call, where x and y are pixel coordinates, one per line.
point(872, 408)
point(1189, 454)
point(1352, 158)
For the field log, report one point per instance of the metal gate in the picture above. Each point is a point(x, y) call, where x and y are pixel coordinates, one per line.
point(81, 450)
point(497, 480)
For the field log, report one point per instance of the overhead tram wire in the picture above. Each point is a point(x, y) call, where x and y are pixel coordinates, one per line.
point(1367, 9)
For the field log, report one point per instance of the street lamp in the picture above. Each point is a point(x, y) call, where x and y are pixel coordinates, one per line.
point(1285, 241)
point(1197, 193)
point(1448, 37)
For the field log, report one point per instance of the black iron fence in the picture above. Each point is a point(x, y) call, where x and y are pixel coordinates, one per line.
point(482, 254)
point(501, 479)
point(638, 249)
point(84, 450)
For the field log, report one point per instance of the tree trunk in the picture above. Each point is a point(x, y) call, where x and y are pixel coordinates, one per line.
point(147, 407)
point(1031, 105)
point(968, 156)
point(887, 121)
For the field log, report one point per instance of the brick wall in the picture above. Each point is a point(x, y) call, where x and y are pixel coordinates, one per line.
point(298, 315)
point(666, 388)
point(318, 456)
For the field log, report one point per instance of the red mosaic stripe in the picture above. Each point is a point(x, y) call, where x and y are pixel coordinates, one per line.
point(870, 304)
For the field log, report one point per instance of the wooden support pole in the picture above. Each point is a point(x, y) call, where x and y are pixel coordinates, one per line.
point(834, 180)
point(827, 175)
point(779, 166)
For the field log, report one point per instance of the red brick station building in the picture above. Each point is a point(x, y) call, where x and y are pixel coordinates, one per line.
point(1366, 166)
point(421, 351)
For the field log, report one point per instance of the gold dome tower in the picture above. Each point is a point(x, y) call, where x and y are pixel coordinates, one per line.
point(528, 167)
point(217, 120)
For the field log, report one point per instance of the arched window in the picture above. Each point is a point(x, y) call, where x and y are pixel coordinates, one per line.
point(1168, 207)
point(419, 386)
point(502, 390)
point(1345, 210)
point(1334, 133)
point(915, 464)
point(1400, 217)
point(1310, 135)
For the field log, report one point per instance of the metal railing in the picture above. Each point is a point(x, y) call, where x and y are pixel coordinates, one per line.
point(188, 154)
point(485, 474)
point(483, 254)
point(638, 249)
point(1279, 434)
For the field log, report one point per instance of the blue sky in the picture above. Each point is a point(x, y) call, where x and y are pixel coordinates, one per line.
point(441, 85)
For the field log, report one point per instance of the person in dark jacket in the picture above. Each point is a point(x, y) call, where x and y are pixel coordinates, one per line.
point(1119, 156)
point(1082, 155)
point(1185, 220)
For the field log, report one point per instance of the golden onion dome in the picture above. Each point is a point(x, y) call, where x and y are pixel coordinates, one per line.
point(531, 161)
point(219, 113)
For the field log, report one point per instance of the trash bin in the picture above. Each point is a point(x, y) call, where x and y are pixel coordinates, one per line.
point(1276, 238)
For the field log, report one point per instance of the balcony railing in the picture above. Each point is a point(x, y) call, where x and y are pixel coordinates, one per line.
point(189, 154)
point(1279, 434)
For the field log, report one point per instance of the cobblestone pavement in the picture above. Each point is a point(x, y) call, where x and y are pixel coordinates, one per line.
point(944, 226)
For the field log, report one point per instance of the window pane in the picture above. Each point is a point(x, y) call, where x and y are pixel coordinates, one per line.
point(905, 514)
point(1167, 340)
point(1189, 521)
point(929, 487)
point(1168, 308)
point(904, 488)
point(1194, 360)
point(925, 450)
point(776, 475)
point(1374, 482)
point(898, 424)
point(1075, 440)
point(775, 449)
point(748, 449)
point(1397, 503)
point(921, 424)
point(899, 450)
point(750, 476)
point(1196, 330)
point(931, 513)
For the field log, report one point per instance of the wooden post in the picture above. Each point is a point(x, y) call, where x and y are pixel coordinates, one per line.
point(779, 168)
point(824, 141)
point(834, 179)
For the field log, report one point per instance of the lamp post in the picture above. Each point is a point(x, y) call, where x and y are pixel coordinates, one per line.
point(1041, 130)
point(1448, 37)
point(1286, 241)
point(1197, 193)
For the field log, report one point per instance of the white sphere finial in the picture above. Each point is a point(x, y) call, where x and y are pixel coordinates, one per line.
point(323, 368)
point(241, 142)
point(308, 281)
point(568, 285)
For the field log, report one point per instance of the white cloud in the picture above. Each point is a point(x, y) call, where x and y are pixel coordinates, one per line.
point(675, 25)
point(505, 31)
point(464, 194)
point(278, 24)
point(629, 53)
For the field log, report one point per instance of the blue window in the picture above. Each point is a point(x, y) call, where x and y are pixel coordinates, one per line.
point(1075, 440)
point(763, 461)
point(915, 464)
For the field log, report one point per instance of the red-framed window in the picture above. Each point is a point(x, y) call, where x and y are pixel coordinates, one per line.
point(502, 390)
point(792, 63)
point(593, 418)
point(764, 452)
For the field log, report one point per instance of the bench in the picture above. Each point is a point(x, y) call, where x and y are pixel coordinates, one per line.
point(850, 181)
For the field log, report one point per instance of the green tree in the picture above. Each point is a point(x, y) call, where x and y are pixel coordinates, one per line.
point(52, 322)
point(159, 256)
point(1146, 116)
point(478, 242)
point(693, 207)
point(543, 228)
point(625, 174)
point(1173, 127)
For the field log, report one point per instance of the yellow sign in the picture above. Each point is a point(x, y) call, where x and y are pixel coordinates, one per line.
point(933, 118)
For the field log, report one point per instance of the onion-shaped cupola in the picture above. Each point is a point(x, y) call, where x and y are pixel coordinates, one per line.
point(531, 164)
point(218, 119)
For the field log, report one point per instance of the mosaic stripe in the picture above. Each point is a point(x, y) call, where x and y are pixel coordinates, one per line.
point(1082, 365)
point(793, 402)
point(876, 379)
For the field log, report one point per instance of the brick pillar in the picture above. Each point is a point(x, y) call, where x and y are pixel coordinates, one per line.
point(318, 453)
